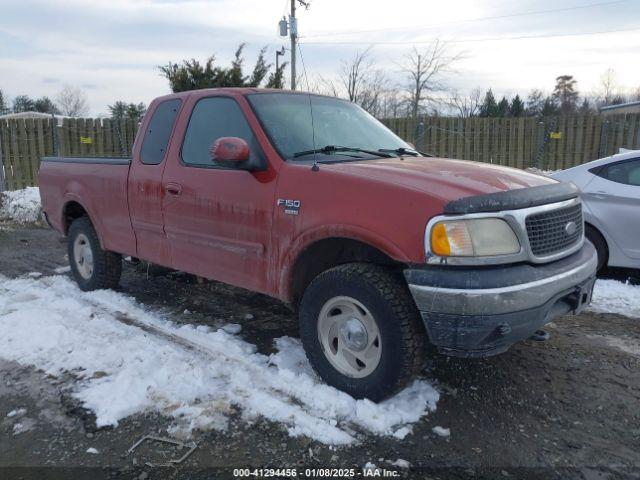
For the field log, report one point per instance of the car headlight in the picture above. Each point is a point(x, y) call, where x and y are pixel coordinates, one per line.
point(475, 237)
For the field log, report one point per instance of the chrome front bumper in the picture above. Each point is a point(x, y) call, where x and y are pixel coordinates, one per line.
point(482, 311)
point(510, 298)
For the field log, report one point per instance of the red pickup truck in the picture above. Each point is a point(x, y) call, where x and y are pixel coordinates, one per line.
point(311, 200)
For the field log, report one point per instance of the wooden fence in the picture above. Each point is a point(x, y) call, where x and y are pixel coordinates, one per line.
point(552, 143)
point(549, 143)
point(24, 141)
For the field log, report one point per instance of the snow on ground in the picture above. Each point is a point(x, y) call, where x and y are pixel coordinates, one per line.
point(612, 296)
point(128, 359)
point(22, 206)
point(624, 344)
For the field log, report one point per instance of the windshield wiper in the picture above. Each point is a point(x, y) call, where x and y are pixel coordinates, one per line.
point(401, 151)
point(334, 148)
point(407, 151)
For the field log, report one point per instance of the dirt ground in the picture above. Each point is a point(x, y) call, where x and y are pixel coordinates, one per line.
point(565, 408)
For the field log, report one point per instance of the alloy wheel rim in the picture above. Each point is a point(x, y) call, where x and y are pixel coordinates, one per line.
point(349, 336)
point(83, 256)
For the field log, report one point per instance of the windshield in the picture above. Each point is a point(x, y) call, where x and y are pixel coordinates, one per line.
point(286, 118)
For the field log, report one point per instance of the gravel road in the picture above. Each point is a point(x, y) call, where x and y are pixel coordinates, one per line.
point(565, 408)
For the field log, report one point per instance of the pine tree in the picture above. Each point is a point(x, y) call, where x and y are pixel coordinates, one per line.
point(23, 103)
point(503, 108)
point(120, 110)
point(516, 109)
point(489, 107)
point(191, 75)
point(4, 107)
point(46, 105)
point(565, 93)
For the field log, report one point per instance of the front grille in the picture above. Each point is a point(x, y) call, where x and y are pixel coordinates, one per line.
point(548, 233)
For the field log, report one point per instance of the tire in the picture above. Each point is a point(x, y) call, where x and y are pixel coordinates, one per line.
point(595, 237)
point(92, 267)
point(362, 292)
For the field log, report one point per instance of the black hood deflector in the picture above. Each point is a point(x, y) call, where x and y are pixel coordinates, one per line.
point(513, 199)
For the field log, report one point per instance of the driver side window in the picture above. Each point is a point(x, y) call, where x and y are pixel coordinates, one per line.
point(211, 119)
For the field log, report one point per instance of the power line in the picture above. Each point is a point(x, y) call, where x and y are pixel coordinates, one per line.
point(479, 19)
point(474, 40)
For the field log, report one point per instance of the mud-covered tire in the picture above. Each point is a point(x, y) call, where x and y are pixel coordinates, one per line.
point(595, 237)
point(106, 266)
point(401, 331)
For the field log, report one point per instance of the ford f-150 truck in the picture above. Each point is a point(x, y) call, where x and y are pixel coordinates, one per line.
point(311, 200)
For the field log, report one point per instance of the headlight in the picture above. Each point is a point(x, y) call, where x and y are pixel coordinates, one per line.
point(475, 237)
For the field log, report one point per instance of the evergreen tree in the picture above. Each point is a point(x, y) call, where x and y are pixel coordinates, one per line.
point(535, 103)
point(120, 110)
point(46, 105)
point(276, 78)
point(191, 75)
point(565, 93)
point(489, 107)
point(4, 106)
point(549, 107)
point(503, 108)
point(22, 103)
point(516, 109)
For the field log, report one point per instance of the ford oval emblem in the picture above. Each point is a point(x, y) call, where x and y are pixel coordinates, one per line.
point(570, 228)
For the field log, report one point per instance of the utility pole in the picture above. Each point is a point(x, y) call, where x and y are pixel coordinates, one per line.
point(293, 33)
point(292, 28)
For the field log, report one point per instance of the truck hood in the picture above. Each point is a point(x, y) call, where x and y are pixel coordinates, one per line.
point(443, 178)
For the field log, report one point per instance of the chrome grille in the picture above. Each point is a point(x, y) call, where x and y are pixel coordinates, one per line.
point(548, 231)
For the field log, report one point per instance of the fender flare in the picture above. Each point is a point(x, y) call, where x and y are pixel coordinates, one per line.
point(325, 232)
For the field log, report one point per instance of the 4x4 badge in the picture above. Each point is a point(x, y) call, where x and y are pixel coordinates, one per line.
point(291, 207)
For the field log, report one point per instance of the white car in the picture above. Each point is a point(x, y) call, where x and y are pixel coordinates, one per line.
point(611, 204)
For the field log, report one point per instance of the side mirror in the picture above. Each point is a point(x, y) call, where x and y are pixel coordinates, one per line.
point(230, 150)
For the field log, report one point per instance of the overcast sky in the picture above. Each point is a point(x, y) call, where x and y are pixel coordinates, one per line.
point(111, 48)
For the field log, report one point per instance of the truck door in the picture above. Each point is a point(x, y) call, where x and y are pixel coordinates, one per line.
point(614, 199)
point(145, 182)
point(218, 219)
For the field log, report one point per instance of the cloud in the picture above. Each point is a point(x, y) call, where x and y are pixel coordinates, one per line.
point(112, 47)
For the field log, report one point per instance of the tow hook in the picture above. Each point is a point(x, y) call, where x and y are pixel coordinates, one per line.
point(540, 336)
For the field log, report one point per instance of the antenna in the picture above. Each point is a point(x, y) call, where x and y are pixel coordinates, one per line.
point(315, 167)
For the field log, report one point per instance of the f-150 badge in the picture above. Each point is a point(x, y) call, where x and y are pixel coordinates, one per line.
point(291, 207)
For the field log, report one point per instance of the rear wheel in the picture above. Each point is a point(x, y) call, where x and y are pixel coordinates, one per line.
point(92, 267)
point(361, 330)
point(595, 237)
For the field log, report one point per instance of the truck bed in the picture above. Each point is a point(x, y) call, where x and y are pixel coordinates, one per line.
point(96, 184)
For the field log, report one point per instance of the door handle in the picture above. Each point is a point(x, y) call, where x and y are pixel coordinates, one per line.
point(173, 189)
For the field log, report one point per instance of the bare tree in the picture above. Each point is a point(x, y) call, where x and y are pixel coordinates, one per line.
point(72, 102)
point(354, 74)
point(466, 105)
point(425, 70)
point(608, 87)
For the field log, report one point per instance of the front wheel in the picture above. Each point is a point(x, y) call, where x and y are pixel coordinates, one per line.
point(92, 267)
point(361, 330)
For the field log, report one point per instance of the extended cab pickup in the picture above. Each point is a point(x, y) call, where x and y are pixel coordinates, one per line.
point(312, 201)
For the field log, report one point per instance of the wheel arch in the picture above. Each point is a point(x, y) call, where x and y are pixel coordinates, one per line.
point(324, 253)
point(73, 209)
point(589, 225)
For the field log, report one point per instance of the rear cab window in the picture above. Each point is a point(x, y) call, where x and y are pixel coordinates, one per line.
point(156, 138)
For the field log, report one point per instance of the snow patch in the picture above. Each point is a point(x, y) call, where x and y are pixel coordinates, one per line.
point(400, 463)
point(22, 206)
point(626, 345)
point(18, 412)
point(441, 431)
point(612, 296)
point(128, 360)
point(92, 450)
point(61, 270)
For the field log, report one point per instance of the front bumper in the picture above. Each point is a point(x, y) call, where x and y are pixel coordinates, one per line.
point(477, 312)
